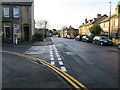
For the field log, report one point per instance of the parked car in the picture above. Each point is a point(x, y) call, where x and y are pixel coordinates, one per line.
point(119, 45)
point(59, 36)
point(102, 40)
point(87, 39)
point(70, 37)
point(79, 38)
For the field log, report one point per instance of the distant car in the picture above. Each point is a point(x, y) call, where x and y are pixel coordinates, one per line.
point(70, 37)
point(102, 40)
point(65, 36)
point(87, 39)
point(78, 38)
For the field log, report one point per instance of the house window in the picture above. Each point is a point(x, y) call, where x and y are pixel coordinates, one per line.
point(16, 12)
point(115, 22)
point(6, 12)
point(105, 24)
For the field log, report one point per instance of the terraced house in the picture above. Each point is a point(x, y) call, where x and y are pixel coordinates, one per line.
point(84, 29)
point(114, 25)
point(17, 20)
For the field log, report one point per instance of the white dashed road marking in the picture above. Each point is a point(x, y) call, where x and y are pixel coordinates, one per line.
point(52, 58)
point(51, 53)
point(53, 62)
point(63, 68)
point(59, 58)
point(60, 63)
point(56, 51)
point(58, 55)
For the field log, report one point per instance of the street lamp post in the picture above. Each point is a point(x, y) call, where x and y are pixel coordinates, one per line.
point(109, 21)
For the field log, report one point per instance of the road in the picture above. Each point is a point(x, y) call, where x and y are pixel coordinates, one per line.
point(93, 65)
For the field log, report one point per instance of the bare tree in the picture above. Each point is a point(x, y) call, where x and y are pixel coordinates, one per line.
point(42, 23)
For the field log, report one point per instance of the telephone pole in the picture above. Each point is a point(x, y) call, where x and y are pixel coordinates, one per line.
point(45, 28)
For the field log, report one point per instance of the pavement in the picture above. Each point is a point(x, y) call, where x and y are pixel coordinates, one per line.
point(46, 41)
point(19, 72)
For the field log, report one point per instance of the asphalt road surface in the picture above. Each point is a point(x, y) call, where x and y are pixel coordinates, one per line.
point(93, 65)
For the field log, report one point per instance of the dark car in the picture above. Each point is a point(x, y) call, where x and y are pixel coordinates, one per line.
point(102, 40)
point(79, 37)
point(87, 39)
point(119, 45)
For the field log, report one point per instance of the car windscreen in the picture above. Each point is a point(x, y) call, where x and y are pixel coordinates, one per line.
point(105, 38)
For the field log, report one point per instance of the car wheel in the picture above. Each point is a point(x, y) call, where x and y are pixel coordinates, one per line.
point(101, 43)
point(93, 42)
point(119, 46)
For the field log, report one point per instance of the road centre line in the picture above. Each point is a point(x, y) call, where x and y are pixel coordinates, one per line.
point(63, 74)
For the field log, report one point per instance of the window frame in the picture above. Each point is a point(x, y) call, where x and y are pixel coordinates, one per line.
point(6, 14)
point(15, 12)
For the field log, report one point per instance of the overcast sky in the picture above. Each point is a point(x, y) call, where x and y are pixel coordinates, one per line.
point(61, 13)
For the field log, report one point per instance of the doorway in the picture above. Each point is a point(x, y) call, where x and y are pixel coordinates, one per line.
point(6, 31)
point(26, 33)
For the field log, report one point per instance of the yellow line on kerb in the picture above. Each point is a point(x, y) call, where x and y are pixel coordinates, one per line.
point(66, 76)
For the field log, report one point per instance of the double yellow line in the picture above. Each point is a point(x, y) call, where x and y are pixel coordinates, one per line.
point(76, 84)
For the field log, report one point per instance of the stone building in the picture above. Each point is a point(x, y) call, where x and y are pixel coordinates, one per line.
point(114, 28)
point(17, 20)
point(84, 28)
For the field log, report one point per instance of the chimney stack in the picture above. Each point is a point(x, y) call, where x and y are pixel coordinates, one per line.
point(86, 20)
point(98, 15)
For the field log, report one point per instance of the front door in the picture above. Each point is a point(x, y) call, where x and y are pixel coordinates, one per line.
point(7, 32)
point(26, 33)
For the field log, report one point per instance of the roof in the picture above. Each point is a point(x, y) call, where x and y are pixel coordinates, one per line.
point(92, 22)
point(112, 16)
point(99, 18)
